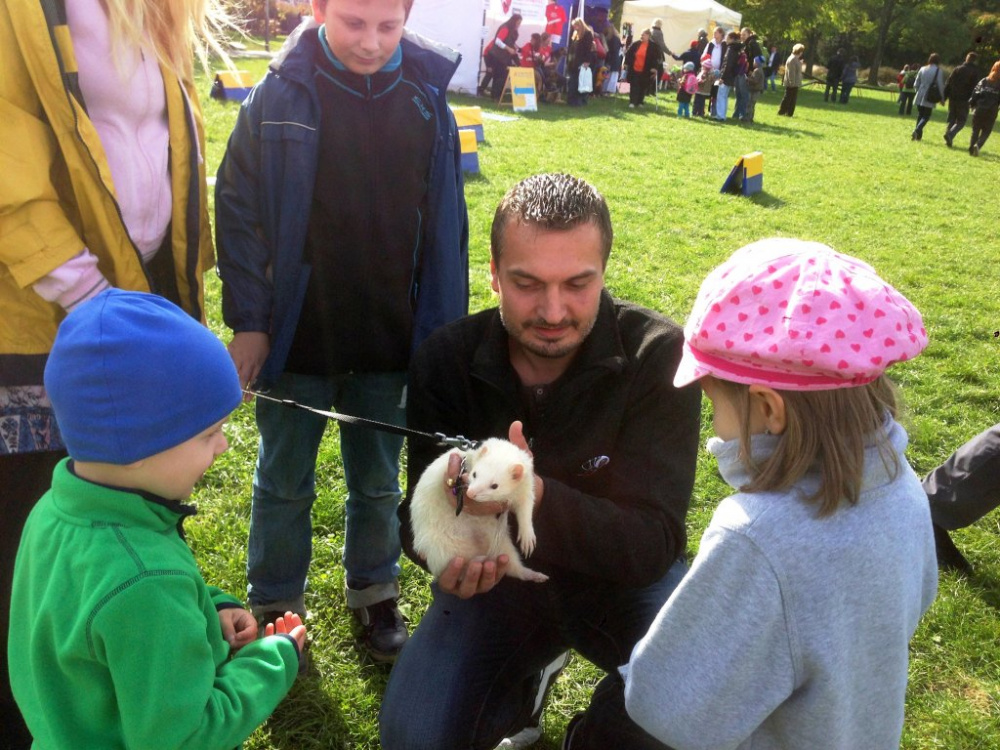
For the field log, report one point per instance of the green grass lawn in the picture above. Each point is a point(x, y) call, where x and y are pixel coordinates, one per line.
point(848, 176)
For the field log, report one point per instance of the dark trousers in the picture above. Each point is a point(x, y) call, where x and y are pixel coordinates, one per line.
point(845, 93)
point(469, 672)
point(958, 113)
point(24, 478)
point(499, 72)
point(830, 92)
point(923, 117)
point(967, 486)
point(638, 86)
point(787, 106)
point(906, 102)
point(982, 126)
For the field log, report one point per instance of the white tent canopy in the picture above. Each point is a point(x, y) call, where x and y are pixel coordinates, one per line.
point(459, 25)
point(681, 19)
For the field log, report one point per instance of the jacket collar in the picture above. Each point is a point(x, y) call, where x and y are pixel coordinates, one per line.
point(91, 502)
point(602, 352)
point(433, 62)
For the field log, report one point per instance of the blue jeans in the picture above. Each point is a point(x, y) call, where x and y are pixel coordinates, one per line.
point(280, 545)
point(468, 674)
point(771, 79)
point(683, 109)
point(722, 101)
point(742, 98)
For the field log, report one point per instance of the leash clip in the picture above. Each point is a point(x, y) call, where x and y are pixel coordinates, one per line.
point(459, 441)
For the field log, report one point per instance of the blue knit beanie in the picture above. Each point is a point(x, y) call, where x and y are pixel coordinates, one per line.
point(131, 375)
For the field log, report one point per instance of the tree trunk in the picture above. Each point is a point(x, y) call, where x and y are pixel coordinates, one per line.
point(888, 6)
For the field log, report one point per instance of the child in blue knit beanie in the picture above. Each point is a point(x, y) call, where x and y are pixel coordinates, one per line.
point(122, 642)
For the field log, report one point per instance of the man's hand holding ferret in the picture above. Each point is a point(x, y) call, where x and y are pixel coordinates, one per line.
point(466, 579)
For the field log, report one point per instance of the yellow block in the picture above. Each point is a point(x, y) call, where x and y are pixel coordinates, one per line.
point(468, 140)
point(753, 164)
point(466, 117)
point(235, 79)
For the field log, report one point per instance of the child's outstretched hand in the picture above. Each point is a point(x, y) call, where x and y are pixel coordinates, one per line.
point(290, 624)
point(238, 627)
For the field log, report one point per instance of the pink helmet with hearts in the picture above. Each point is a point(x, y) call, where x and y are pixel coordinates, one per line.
point(798, 316)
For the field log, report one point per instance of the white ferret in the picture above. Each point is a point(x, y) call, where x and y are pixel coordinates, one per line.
point(498, 471)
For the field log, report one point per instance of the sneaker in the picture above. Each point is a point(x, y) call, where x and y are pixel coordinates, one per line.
point(383, 631)
point(528, 736)
point(974, 150)
point(947, 140)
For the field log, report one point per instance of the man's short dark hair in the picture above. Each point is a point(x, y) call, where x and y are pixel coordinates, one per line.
point(554, 202)
point(971, 57)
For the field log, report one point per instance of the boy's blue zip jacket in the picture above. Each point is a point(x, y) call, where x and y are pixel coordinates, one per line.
point(263, 197)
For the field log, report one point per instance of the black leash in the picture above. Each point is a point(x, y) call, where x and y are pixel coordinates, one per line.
point(459, 441)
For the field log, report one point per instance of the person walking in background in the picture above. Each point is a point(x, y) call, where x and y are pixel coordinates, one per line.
point(849, 79)
point(985, 100)
point(642, 60)
point(929, 85)
point(298, 217)
point(908, 75)
point(716, 50)
point(581, 46)
point(957, 91)
point(755, 85)
point(706, 79)
point(792, 81)
point(656, 35)
point(834, 74)
point(773, 65)
point(685, 90)
point(728, 74)
point(613, 59)
point(103, 147)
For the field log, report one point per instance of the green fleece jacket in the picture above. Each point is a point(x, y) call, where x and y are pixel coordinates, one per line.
point(115, 639)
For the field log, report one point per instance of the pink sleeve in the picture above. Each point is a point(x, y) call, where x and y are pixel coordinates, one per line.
point(75, 281)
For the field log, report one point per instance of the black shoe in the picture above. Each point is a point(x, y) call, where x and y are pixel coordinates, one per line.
point(948, 555)
point(947, 140)
point(570, 730)
point(383, 631)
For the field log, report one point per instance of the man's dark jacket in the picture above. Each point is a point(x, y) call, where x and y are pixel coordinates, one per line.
point(961, 83)
point(615, 442)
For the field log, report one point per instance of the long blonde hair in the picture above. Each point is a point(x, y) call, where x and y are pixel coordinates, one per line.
point(177, 30)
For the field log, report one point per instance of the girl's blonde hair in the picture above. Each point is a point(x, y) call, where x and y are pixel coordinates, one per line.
point(177, 30)
point(824, 430)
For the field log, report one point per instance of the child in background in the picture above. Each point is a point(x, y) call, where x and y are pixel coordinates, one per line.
point(706, 79)
point(120, 642)
point(791, 629)
point(686, 87)
point(755, 83)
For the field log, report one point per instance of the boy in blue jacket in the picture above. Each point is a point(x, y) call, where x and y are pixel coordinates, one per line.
point(343, 241)
point(121, 643)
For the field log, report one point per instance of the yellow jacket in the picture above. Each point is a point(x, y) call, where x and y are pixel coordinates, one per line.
point(56, 195)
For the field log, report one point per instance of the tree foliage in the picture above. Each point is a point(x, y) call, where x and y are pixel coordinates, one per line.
point(879, 32)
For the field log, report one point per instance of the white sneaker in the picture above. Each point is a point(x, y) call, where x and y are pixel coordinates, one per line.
point(528, 736)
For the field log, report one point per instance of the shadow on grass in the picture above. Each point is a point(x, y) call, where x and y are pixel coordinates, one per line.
point(766, 200)
point(307, 713)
